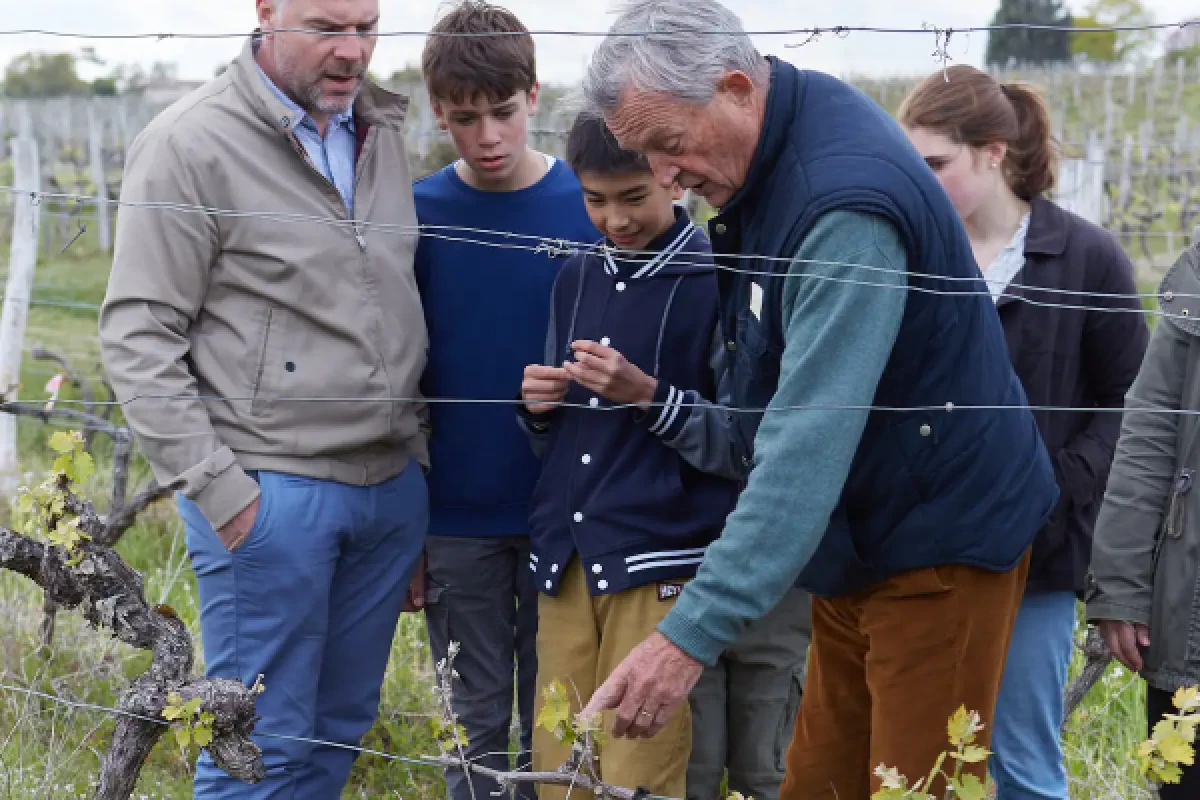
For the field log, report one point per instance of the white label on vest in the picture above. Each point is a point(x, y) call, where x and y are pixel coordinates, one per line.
point(756, 298)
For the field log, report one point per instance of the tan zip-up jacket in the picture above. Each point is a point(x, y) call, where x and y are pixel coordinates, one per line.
point(237, 342)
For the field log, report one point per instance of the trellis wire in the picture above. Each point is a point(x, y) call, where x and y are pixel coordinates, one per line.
point(565, 247)
point(838, 30)
point(118, 712)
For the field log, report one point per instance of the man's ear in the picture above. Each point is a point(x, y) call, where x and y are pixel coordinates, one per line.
point(737, 85)
point(265, 10)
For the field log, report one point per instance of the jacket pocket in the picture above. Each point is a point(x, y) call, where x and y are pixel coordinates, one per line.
point(259, 391)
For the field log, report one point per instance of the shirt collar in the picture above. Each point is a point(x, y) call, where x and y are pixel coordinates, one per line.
point(299, 115)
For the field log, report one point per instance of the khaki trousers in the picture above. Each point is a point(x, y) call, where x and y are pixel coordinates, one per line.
point(581, 639)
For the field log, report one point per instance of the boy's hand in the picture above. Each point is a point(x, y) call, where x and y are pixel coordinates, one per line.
point(543, 385)
point(605, 371)
point(414, 597)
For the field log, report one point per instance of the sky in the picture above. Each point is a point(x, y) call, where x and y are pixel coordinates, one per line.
point(561, 59)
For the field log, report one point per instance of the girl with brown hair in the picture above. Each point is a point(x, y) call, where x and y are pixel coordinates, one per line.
point(991, 147)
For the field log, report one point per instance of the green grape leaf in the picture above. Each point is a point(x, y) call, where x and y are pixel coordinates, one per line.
point(1176, 749)
point(62, 442)
point(1187, 698)
point(203, 736)
point(970, 788)
point(972, 754)
point(85, 467)
point(555, 714)
point(962, 727)
point(183, 735)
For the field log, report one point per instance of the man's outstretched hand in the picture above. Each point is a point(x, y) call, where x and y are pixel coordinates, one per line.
point(647, 687)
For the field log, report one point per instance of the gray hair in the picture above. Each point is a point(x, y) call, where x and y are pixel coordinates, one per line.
point(680, 48)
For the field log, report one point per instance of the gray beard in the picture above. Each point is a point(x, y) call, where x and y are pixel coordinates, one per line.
point(311, 101)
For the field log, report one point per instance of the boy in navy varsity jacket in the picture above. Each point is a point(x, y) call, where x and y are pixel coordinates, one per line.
point(639, 470)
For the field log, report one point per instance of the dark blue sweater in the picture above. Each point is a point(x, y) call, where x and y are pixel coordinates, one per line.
point(487, 309)
point(638, 495)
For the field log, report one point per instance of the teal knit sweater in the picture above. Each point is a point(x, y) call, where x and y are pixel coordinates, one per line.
point(841, 323)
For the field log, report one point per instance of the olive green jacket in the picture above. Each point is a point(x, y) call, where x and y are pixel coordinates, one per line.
point(1146, 550)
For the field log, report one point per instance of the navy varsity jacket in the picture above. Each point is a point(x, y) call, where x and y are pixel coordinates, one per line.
point(637, 495)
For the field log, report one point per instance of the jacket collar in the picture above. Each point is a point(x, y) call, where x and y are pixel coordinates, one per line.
point(658, 254)
point(299, 115)
point(776, 129)
point(1046, 237)
point(375, 105)
point(1047, 234)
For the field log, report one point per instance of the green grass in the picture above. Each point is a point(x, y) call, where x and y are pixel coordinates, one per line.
point(43, 744)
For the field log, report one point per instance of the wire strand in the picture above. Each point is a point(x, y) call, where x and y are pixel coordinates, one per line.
point(838, 30)
point(550, 246)
point(947, 407)
point(416, 761)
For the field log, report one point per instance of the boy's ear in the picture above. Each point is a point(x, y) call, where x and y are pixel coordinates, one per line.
point(438, 113)
point(533, 98)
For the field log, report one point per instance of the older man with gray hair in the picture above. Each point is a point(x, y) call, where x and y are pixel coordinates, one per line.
point(898, 474)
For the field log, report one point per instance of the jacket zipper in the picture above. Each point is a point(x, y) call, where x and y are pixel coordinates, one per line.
point(360, 236)
point(359, 230)
point(1175, 512)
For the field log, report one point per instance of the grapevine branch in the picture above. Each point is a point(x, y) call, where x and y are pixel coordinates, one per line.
point(577, 780)
point(110, 595)
point(1098, 656)
point(122, 514)
point(125, 515)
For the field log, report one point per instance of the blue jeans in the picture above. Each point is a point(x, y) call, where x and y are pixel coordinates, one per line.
point(1028, 762)
point(310, 601)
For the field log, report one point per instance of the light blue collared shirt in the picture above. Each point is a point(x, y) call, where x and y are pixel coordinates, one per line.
point(333, 155)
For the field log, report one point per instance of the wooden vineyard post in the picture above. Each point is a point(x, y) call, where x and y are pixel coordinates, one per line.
point(96, 161)
point(22, 262)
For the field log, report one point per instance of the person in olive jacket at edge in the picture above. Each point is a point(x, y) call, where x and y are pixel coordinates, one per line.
point(1146, 554)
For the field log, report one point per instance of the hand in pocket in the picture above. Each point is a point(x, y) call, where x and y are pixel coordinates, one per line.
point(237, 530)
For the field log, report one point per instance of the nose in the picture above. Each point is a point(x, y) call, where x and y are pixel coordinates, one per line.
point(489, 130)
point(348, 47)
point(663, 170)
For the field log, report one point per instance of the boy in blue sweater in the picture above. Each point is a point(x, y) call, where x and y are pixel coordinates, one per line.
point(486, 310)
point(639, 468)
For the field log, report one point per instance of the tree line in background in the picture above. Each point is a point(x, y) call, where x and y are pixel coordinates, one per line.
point(40, 74)
point(57, 74)
point(1023, 47)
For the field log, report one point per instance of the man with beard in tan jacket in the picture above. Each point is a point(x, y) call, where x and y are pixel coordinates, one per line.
point(267, 366)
